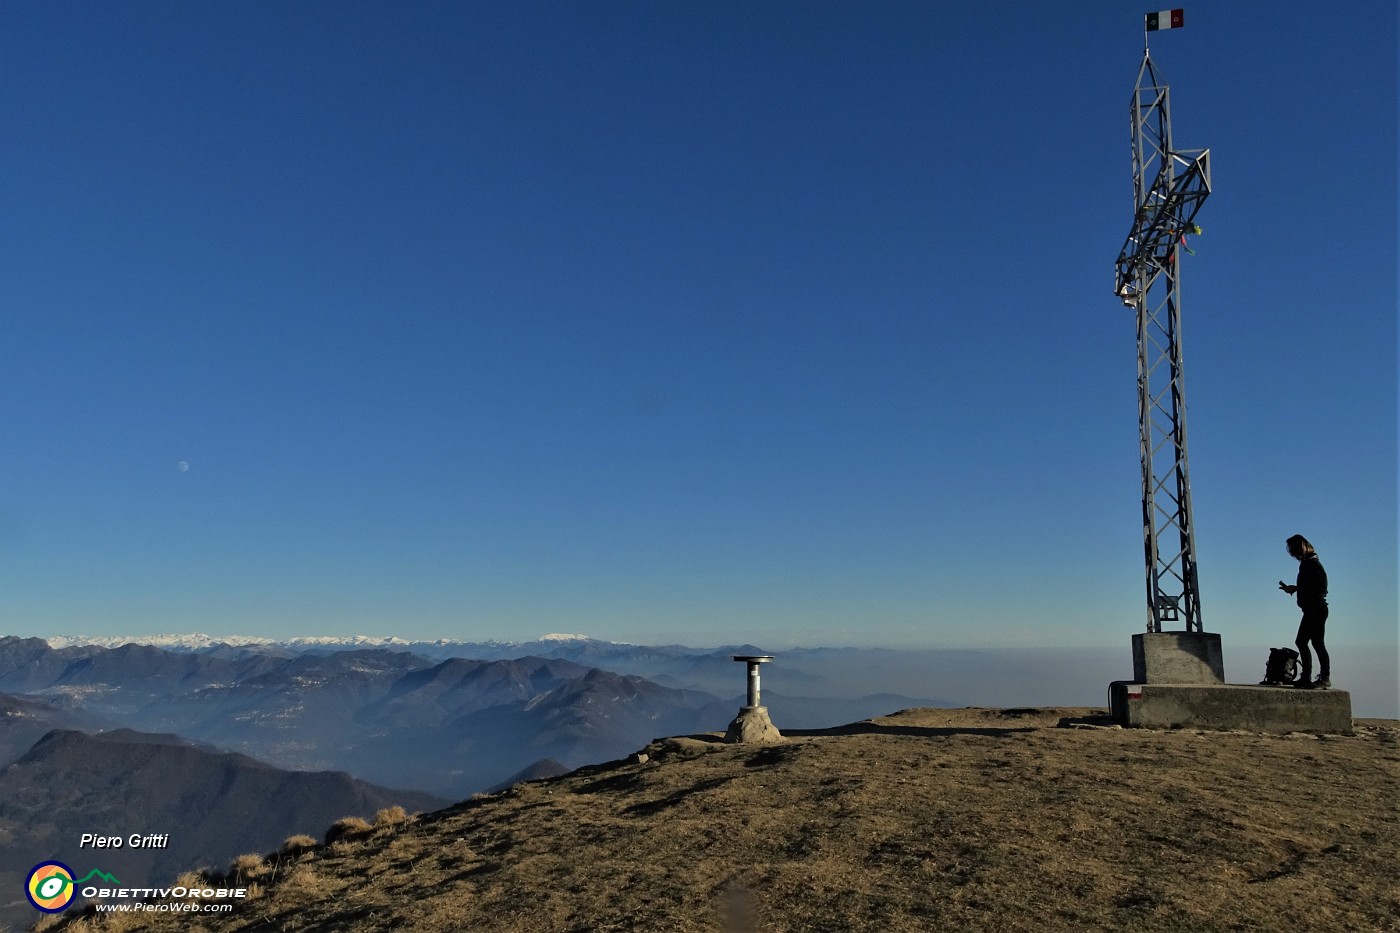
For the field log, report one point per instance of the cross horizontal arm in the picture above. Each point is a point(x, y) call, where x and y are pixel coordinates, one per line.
point(1167, 212)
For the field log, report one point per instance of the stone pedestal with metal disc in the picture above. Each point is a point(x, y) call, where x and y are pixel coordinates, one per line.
point(752, 725)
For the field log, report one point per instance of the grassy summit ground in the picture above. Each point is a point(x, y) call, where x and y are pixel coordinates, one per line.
point(925, 820)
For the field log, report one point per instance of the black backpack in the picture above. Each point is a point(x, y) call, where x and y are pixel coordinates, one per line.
point(1282, 667)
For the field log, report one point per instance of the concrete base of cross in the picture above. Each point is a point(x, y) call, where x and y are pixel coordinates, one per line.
point(1230, 706)
point(1177, 658)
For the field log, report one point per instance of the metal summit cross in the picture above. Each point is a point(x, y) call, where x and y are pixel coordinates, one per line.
point(1179, 676)
point(1169, 186)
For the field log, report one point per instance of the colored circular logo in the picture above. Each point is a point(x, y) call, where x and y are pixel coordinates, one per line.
point(49, 887)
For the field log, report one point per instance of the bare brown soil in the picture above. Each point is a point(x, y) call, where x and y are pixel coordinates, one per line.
point(925, 820)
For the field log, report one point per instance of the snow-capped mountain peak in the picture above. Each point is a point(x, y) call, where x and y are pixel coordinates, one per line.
point(197, 641)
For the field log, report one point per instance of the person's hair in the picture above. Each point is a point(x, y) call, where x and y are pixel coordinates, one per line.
point(1300, 547)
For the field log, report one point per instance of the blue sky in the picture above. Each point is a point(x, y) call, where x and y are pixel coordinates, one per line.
point(783, 322)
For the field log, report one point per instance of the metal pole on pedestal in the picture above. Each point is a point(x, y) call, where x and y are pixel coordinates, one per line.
point(753, 661)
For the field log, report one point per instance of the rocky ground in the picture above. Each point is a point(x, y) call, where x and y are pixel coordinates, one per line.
point(929, 819)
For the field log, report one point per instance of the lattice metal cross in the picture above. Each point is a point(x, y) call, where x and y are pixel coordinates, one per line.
point(1169, 187)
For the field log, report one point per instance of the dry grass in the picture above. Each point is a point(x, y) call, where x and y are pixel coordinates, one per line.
point(926, 820)
point(296, 845)
point(192, 880)
point(347, 828)
point(248, 868)
point(391, 816)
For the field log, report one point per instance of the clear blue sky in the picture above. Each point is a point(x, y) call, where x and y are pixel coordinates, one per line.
point(781, 322)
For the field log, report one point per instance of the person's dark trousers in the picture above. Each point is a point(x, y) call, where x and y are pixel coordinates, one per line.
point(1312, 629)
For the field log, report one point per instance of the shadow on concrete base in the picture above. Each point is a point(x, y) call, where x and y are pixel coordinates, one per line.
point(1177, 658)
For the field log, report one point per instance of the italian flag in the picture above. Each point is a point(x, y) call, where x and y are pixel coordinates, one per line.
point(1166, 19)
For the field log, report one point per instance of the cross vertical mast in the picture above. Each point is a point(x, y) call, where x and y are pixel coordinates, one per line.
point(1169, 187)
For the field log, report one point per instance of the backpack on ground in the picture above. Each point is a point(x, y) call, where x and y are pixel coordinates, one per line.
point(1282, 667)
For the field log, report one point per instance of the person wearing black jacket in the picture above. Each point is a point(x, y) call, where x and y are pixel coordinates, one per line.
point(1311, 592)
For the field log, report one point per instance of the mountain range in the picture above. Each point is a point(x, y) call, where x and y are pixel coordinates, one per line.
point(450, 727)
point(229, 749)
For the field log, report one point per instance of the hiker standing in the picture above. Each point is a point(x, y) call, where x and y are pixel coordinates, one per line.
point(1311, 592)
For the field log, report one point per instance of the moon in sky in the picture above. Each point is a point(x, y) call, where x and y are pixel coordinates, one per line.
point(183, 466)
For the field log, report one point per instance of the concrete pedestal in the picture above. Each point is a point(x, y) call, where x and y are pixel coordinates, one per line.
point(752, 726)
point(1177, 658)
point(1230, 706)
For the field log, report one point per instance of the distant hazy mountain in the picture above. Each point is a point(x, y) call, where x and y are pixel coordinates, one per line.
point(198, 641)
point(399, 715)
point(538, 771)
point(290, 701)
point(450, 727)
point(213, 806)
point(25, 720)
point(1017, 674)
point(710, 669)
point(592, 717)
point(30, 663)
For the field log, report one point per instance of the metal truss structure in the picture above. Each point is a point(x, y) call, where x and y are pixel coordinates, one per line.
point(1169, 186)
